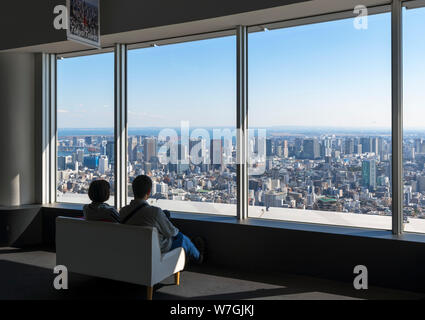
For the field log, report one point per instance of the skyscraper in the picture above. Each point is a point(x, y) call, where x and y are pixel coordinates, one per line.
point(298, 147)
point(88, 140)
point(80, 155)
point(311, 149)
point(269, 148)
point(377, 145)
point(358, 149)
point(110, 151)
point(80, 143)
point(421, 183)
point(216, 153)
point(366, 143)
point(103, 164)
point(198, 151)
point(419, 145)
point(285, 149)
point(132, 149)
point(149, 149)
point(349, 146)
point(63, 162)
point(369, 173)
point(179, 162)
point(103, 147)
point(91, 161)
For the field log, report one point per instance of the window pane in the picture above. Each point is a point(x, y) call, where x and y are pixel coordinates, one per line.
point(85, 120)
point(413, 120)
point(320, 116)
point(181, 118)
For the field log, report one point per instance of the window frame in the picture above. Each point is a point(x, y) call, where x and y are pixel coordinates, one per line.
point(49, 63)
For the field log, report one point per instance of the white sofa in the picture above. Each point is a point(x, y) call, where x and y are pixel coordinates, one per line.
point(115, 251)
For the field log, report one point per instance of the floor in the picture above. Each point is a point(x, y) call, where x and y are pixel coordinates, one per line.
point(28, 274)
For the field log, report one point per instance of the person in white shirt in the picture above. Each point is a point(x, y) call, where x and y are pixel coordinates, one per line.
point(140, 213)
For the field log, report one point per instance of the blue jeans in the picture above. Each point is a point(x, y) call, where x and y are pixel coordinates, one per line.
point(180, 240)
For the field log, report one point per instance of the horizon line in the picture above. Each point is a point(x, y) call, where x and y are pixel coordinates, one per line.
point(285, 128)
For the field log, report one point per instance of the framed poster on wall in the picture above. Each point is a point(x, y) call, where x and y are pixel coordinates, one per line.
point(84, 21)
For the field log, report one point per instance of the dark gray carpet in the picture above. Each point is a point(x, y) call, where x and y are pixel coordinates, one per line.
point(28, 274)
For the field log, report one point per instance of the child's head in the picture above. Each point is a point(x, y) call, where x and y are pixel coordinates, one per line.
point(99, 191)
point(142, 186)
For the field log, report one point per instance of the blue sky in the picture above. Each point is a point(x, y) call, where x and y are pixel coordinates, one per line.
point(85, 92)
point(414, 68)
point(322, 75)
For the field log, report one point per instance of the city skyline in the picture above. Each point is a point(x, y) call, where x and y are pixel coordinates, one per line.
point(311, 173)
point(215, 181)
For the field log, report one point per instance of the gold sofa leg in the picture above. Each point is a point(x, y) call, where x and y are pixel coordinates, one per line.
point(149, 293)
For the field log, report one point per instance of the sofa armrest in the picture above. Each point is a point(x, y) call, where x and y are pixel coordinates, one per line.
point(171, 263)
point(173, 254)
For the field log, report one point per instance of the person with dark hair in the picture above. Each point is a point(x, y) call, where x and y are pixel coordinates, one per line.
point(140, 213)
point(99, 192)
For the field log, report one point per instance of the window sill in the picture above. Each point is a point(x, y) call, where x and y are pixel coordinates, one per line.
point(273, 224)
point(23, 207)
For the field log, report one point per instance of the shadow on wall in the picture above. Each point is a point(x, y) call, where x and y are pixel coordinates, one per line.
point(21, 227)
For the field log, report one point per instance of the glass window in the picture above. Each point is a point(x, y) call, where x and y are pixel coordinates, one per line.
point(413, 122)
point(320, 122)
point(181, 124)
point(85, 122)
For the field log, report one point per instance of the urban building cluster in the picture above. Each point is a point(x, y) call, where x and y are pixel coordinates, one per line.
point(314, 171)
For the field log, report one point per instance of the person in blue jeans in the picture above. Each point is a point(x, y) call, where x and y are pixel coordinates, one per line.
point(180, 240)
point(140, 212)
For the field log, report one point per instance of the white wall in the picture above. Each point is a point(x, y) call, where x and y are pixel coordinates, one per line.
point(17, 129)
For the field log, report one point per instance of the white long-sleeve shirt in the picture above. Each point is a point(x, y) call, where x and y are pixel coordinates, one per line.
point(150, 216)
